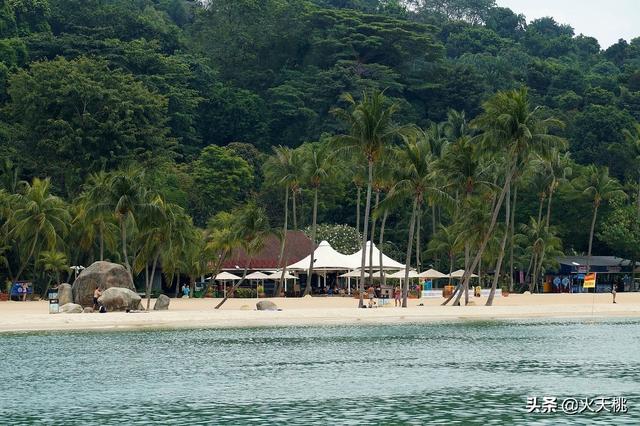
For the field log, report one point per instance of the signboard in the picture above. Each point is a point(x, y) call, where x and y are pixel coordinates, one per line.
point(582, 269)
point(590, 280)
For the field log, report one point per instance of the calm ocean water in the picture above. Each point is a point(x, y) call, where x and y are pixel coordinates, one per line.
point(460, 373)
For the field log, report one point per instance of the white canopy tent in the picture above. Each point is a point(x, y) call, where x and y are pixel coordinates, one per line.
point(387, 262)
point(326, 258)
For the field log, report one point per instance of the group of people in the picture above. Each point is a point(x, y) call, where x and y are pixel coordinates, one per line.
point(376, 293)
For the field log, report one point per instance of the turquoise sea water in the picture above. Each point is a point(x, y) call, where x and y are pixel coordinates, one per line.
point(460, 373)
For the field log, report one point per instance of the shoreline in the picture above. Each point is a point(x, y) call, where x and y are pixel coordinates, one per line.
point(16, 317)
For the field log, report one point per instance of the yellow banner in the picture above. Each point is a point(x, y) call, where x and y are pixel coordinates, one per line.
point(590, 280)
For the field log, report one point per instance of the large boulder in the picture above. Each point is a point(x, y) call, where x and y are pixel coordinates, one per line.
point(119, 299)
point(71, 308)
point(65, 294)
point(162, 303)
point(103, 275)
point(266, 305)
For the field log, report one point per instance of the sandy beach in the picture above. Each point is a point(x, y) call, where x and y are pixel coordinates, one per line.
point(199, 313)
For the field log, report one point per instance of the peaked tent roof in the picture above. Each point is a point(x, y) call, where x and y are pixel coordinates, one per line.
point(460, 273)
point(387, 262)
point(433, 274)
point(326, 258)
point(400, 274)
point(257, 276)
point(227, 276)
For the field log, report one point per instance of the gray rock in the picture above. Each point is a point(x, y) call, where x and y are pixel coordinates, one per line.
point(71, 308)
point(103, 275)
point(65, 295)
point(266, 305)
point(119, 299)
point(162, 303)
point(87, 310)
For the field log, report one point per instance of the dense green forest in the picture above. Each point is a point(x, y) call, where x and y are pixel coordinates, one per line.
point(183, 102)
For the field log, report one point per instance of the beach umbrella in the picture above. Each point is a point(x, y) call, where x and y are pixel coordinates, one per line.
point(400, 274)
point(277, 275)
point(354, 274)
point(432, 274)
point(460, 273)
point(226, 276)
point(257, 276)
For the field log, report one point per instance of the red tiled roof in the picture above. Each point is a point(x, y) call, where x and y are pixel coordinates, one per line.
point(297, 247)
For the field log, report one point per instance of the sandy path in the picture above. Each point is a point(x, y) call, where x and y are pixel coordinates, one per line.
point(199, 313)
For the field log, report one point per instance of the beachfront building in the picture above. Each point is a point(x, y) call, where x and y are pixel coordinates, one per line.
point(609, 270)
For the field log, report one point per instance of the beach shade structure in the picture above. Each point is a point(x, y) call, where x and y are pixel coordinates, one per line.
point(432, 274)
point(257, 276)
point(400, 274)
point(460, 273)
point(277, 275)
point(325, 258)
point(355, 274)
point(387, 262)
point(226, 276)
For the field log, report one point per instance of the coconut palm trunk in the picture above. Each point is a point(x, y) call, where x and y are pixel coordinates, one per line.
point(283, 243)
point(293, 209)
point(26, 262)
point(373, 233)
point(367, 210)
point(511, 234)
point(123, 238)
point(236, 285)
point(549, 201)
point(101, 240)
point(412, 225)
point(418, 226)
point(494, 219)
point(496, 276)
point(359, 196)
point(307, 289)
point(150, 281)
point(596, 204)
point(381, 245)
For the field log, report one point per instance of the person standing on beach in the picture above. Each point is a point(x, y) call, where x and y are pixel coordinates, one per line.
point(185, 291)
point(96, 294)
point(613, 292)
point(372, 293)
point(396, 296)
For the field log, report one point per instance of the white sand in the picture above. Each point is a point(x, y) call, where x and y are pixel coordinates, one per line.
point(199, 313)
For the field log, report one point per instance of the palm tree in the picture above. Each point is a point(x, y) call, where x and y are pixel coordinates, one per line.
point(94, 211)
point(417, 182)
point(542, 243)
point(371, 130)
point(53, 262)
point(129, 199)
point(319, 167)
point(632, 136)
point(558, 165)
point(250, 229)
point(40, 220)
point(281, 170)
point(598, 186)
point(446, 241)
point(156, 236)
point(514, 131)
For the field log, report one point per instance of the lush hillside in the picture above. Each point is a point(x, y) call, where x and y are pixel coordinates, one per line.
point(197, 94)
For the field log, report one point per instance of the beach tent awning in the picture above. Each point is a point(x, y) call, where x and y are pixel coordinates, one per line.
point(326, 258)
point(257, 276)
point(432, 274)
point(225, 276)
point(460, 273)
point(277, 275)
point(355, 274)
point(387, 262)
point(400, 274)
